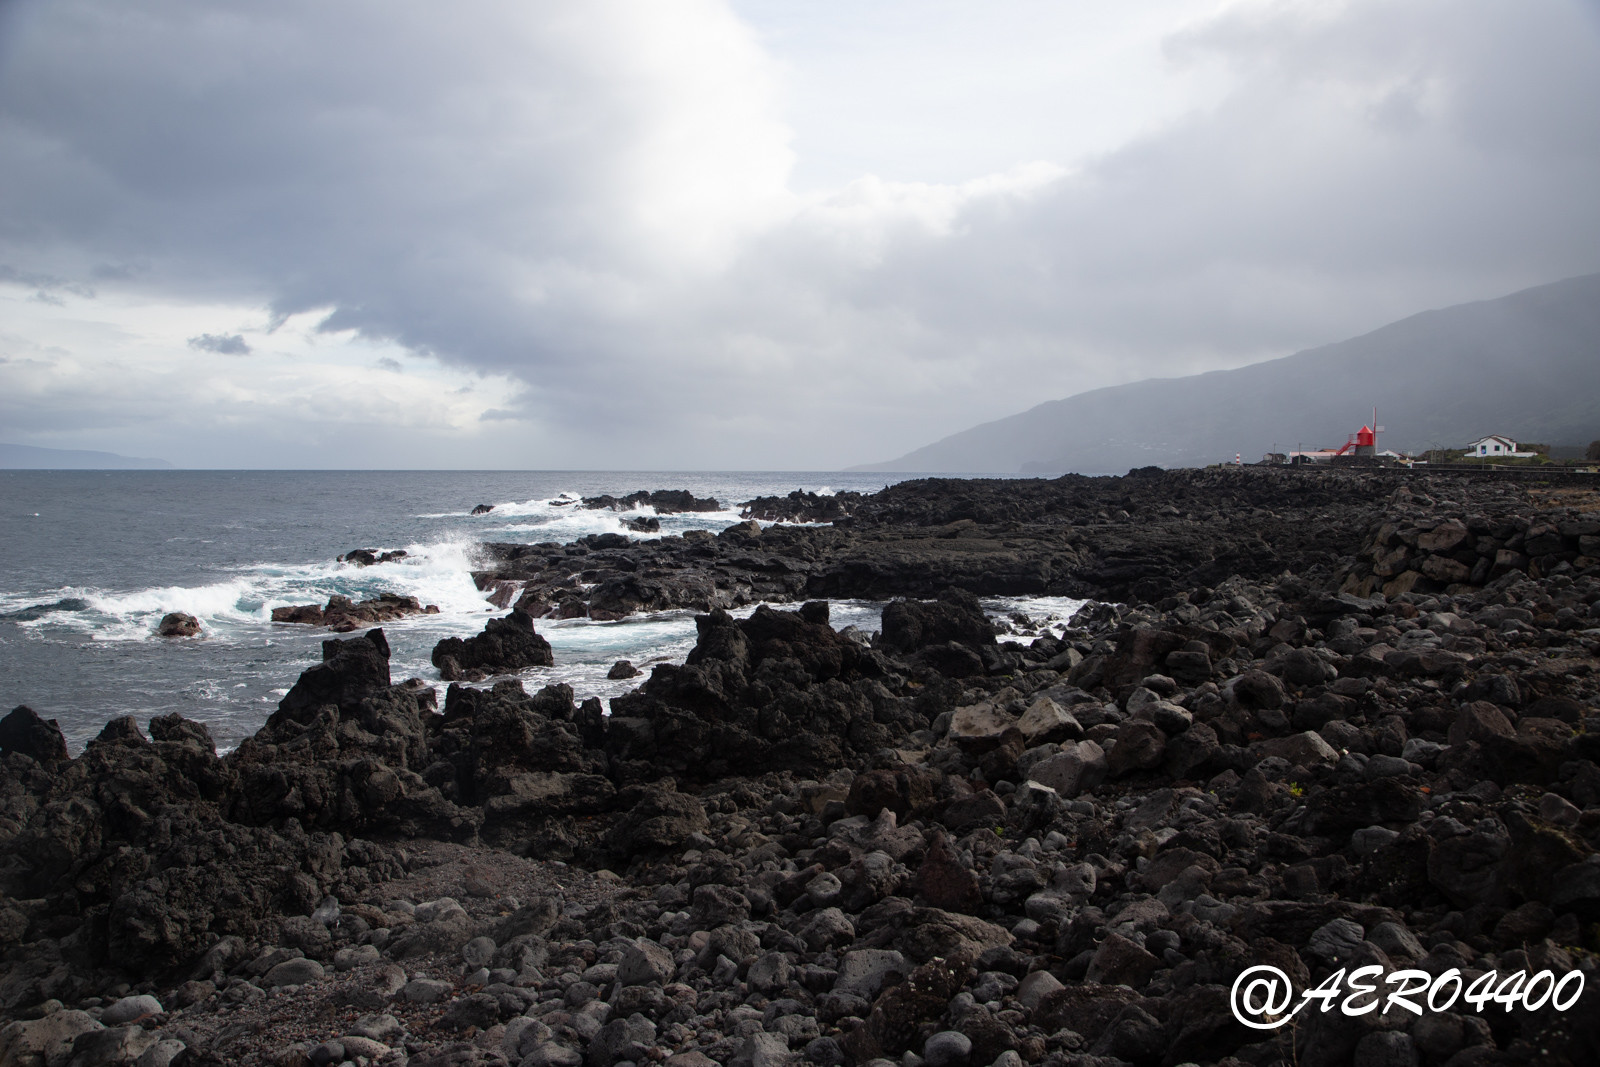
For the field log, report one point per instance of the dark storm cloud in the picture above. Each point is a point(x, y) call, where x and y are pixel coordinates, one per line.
point(231, 344)
point(47, 285)
point(1300, 210)
point(593, 199)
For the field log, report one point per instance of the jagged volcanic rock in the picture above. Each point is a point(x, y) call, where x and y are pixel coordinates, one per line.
point(25, 733)
point(800, 846)
point(507, 644)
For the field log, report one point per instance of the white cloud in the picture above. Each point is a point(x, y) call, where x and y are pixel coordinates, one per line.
point(122, 374)
point(948, 92)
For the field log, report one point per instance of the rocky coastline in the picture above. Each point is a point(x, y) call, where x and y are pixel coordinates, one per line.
point(1143, 537)
point(1316, 720)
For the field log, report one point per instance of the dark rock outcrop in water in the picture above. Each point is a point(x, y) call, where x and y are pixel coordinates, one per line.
point(178, 624)
point(665, 501)
point(506, 645)
point(367, 557)
point(343, 615)
point(799, 846)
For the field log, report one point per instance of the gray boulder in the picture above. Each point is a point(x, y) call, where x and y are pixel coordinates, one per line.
point(644, 962)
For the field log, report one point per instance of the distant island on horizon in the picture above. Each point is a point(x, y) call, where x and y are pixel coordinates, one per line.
point(30, 457)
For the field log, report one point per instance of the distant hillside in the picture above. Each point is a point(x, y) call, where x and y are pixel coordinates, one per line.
point(1525, 365)
point(27, 457)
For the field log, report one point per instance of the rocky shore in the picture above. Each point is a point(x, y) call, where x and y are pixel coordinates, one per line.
point(1144, 537)
point(1317, 720)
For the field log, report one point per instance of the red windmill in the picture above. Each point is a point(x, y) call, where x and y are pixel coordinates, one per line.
point(1364, 442)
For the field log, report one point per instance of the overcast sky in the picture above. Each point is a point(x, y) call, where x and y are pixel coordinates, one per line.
point(740, 233)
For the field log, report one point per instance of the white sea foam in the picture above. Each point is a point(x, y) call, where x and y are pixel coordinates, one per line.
point(562, 518)
point(1046, 613)
point(237, 598)
point(12, 603)
point(539, 507)
point(132, 616)
point(438, 574)
point(241, 605)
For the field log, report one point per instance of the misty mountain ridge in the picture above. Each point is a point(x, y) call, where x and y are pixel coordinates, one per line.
point(29, 457)
point(1525, 365)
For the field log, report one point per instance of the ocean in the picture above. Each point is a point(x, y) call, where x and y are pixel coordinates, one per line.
point(93, 559)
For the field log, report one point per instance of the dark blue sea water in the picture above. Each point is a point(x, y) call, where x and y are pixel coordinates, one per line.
point(91, 560)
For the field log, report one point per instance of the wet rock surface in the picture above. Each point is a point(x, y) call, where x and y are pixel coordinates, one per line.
point(367, 557)
point(342, 615)
point(941, 846)
point(178, 624)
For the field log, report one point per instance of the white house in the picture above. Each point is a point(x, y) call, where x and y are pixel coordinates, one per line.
point(1499, 447)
